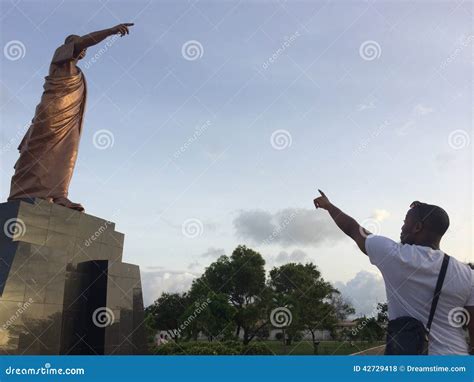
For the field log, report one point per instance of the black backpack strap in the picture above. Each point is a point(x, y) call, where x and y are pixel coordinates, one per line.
point(439, 285)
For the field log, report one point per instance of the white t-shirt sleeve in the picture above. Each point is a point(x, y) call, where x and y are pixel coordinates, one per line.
point(470, 300)
point(380, 249)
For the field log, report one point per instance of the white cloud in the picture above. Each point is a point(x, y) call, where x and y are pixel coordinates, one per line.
point(155, 282)
point(297, 256)
point(406, 127)
point(422, 110)
point(380, 215)
point(364, 291)
point(213, 252)
point(418, 111)
point(291, 226)
point(366, 106)
point(195, 265)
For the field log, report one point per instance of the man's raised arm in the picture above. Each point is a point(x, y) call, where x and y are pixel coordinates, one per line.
point(347, 224)
point(94, 38)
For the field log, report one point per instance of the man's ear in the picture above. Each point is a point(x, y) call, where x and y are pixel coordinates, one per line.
point(418, 227)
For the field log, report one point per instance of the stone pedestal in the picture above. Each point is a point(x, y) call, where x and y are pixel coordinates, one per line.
point(63, 286)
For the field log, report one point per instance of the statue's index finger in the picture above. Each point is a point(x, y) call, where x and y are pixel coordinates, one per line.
point(129, 24)
point(322, 193)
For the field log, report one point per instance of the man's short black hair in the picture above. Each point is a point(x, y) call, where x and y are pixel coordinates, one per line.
point(434, 218)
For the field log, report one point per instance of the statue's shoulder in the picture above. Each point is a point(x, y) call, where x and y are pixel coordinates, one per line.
point(63, 54)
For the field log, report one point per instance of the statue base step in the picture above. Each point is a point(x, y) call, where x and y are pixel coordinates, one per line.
point(63, 286)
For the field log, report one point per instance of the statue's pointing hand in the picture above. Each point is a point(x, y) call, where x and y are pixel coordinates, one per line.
point(122, 29)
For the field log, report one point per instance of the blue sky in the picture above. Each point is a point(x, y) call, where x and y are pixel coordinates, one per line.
point(370, 101)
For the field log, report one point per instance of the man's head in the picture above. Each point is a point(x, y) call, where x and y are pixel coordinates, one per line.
point(73, 38)
point(424, 224)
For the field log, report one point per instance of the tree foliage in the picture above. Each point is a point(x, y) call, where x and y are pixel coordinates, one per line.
point(233, 297)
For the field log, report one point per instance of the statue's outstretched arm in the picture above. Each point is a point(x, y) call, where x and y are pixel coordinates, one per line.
point(94, 38)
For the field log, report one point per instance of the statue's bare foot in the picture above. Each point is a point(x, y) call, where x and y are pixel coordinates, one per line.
point(67, 203)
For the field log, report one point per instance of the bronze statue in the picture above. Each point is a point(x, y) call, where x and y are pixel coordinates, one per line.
point(49, 149)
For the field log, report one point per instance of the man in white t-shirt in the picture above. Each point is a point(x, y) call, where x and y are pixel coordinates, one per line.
point(410, 270)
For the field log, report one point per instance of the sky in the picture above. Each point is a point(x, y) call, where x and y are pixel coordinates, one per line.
point(213, 124)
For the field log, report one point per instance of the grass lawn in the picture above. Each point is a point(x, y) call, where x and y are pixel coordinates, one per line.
point(325, 347)
point(268, 347)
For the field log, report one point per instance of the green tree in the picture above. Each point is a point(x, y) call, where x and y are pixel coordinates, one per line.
point(166, 313)
point(248, 293)
point(240, 279)
point(212, 316)
point(382, 314)
point(368, 329)
point(302, 290)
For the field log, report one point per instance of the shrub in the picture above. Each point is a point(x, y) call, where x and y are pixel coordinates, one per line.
point(169, 349)
point(256, 348)
point(212, 348)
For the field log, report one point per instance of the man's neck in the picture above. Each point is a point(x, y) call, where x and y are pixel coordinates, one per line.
point(429, 244)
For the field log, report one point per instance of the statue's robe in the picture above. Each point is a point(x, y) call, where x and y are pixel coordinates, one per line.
point(49, 149)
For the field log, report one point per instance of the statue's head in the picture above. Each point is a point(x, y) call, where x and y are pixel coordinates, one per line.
point(73, 38)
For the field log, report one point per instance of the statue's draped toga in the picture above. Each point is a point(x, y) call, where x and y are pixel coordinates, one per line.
point(49, 149)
